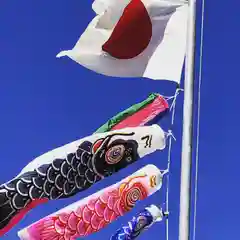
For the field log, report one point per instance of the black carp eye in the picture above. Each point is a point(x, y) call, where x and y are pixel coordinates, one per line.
point(115, 154)
point(129, 159)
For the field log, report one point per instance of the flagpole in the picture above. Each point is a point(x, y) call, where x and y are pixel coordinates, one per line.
point(185, 191)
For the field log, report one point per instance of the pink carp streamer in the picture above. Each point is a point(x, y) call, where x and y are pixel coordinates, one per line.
point(96, 211)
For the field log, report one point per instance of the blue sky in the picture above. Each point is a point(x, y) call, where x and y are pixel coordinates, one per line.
point(46, 102)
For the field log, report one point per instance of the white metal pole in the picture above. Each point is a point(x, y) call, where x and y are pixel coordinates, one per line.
point(185, 193)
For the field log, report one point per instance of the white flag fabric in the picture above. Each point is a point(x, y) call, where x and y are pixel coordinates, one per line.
point(134, 38)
